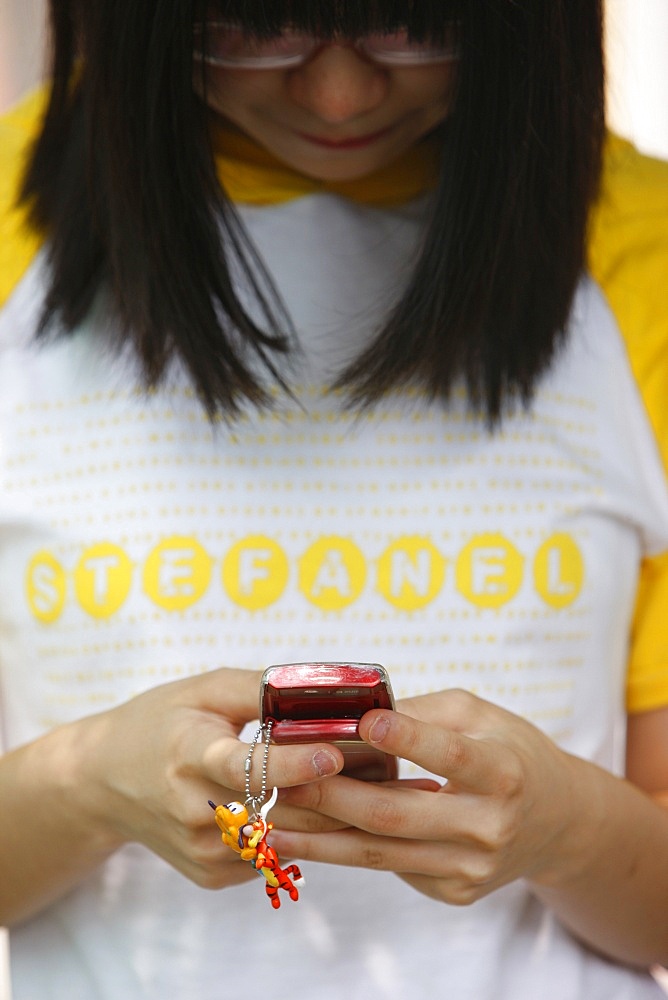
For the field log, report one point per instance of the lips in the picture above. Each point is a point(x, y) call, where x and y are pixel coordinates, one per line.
point(352, 142)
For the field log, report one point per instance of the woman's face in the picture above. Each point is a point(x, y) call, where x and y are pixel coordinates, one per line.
point(337, 117)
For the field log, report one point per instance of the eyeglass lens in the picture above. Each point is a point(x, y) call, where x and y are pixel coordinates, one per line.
point(229, 45)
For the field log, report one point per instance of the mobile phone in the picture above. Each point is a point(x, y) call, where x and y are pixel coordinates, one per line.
point(323, 702)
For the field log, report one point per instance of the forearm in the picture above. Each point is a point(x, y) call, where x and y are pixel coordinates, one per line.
point(48, 843)
point(609, 885)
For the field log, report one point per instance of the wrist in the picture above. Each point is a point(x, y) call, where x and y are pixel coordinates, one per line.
point(70, 788)
point(576, 840)
point(49, 841)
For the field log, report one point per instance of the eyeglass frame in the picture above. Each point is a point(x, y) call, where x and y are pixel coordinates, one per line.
point(396, 59)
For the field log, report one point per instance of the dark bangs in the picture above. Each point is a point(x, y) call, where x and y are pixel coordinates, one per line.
point(426, 20)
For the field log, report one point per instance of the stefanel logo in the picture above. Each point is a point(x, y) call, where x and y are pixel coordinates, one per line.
point(332, 573)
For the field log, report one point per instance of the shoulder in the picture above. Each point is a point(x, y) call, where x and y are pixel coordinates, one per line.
point(18, 242)
point(628, 258)
point(629, 224)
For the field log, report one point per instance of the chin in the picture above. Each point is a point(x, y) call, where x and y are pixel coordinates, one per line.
point(340, 167)
point(338, 176)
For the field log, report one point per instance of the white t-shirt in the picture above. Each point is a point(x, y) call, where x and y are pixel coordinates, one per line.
point(139, 544)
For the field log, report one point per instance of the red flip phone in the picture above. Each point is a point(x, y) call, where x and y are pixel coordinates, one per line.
point(323, 702)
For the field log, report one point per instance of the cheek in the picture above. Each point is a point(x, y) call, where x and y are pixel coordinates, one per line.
point(432, 90)
point(236, 94)
point(218, 94)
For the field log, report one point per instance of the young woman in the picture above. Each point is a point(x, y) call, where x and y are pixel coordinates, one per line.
point(333, 330)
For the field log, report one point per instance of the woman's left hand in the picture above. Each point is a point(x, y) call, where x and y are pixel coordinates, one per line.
point(512, 804)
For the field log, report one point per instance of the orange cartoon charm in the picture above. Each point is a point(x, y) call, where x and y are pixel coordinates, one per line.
point(249, 839)
point(244, 828)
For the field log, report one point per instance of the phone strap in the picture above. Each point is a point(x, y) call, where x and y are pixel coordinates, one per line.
point(244, 827)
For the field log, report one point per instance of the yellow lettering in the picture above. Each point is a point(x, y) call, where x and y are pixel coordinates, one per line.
point(489, 571)
point(46, 587)
point(559, 571)
point(332, 573)
point(255, 572)
point(411, 573)
point(177, 573)
point(102, 579)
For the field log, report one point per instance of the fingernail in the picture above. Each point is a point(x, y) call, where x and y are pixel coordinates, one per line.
point(379, 729)
point(325, 763)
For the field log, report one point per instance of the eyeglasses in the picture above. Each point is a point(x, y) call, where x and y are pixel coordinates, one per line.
point(220, 43)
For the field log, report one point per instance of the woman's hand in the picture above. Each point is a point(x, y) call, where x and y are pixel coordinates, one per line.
point(154, 762)
point(142, 772)
point(510, 797)
point(593, 847)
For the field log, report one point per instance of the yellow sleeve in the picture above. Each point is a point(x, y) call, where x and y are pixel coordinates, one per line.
point(628, 257)
point(647, 683)
point(18, 242)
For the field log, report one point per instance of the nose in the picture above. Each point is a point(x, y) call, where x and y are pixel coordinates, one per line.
point(337, 84)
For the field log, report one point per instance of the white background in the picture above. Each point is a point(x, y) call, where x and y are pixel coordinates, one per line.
point(637, 42)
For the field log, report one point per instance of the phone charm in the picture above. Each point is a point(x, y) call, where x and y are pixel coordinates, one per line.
point(244, 828)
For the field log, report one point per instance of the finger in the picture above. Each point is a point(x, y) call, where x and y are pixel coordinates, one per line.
point(423, 784)
point(204, 859)
point(224, 762)
point(454, 709)
point(459, 875)
point(467, 762)
point(357, 849)
point(234, 694)
point(288, 817)
point(401, 812)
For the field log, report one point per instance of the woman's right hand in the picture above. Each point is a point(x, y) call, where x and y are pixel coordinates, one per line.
point(142, 772)
point(153, 763)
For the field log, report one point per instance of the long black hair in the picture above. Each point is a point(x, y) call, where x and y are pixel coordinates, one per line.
point(122, 182)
